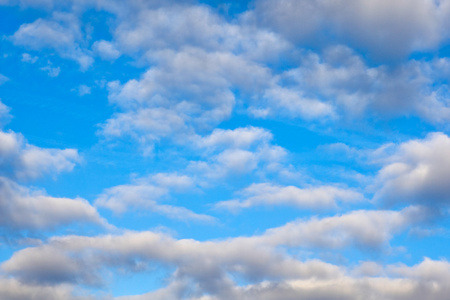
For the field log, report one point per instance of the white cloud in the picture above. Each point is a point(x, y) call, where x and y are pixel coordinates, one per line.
point(237, 152)
point(291, 103)
point(321, 197)
point(416, 172)
point(362, 228)
point(26, 57)
point(84, 90)
point(241, 138)
point(106, 50)
point(22, 208)
point(22, 160)
point(4, 113)
point(148, 193)
point(61, 33)
point(52, 72)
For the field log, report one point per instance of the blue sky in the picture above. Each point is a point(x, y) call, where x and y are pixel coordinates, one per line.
point(209, 150)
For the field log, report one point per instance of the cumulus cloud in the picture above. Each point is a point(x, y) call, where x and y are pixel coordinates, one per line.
point(106, 50)
point(416, 171)
point(361, 228)
point(207, 269)
point(18, 159)
point(12, 289)
point(148, 193)
point(401, 27)
point(236, 152)
point(23, 208)
point(321, 197)
point(62, 33)
point(337, 83)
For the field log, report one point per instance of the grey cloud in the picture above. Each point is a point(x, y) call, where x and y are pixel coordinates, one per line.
point(207, 262)
point(255, 258)
point(338, 84)
point(12, 289)
point(384, 29)
point(416, 171)
point(205, 269)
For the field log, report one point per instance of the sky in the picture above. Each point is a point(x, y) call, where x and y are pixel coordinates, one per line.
point(212, 150)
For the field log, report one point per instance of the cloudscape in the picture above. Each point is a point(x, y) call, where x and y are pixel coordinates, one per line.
point(224, 150)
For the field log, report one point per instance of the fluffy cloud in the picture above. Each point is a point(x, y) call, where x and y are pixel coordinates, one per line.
point(321, 197)
point(18, 159)
point(106, 50)
point(337, 83)
point(361, 228)
point(12, 289)
point(207, 269)
point(147, 193)
point(22, 208)
point(236, 152)
point(401, 27)
point(61, 33)
point(191, 89)
point(416, 172)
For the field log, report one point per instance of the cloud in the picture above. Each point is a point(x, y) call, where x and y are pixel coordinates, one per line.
point(24, 161)
point(84, 90)
point(62, 33)
point(52, 72)
point(235, 152)
point(26, 57)
point(240, 138)
point(192, 89)
point(401, 27)
point(338, 84)
point(3, 79)
point(207, 269)
point(23, 208)
point(362, 228)
point(322, 197)
point(4, 114)
point(12, 289)
point(106, 50)
point(416, 171)
point(147, 193)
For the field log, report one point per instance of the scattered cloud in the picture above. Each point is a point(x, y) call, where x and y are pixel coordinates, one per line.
point(23, 208)
point(24, 161)
point(26, 57)
point(84, 90)
point(319, 198)
point(62, 33)
point(415, 172)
